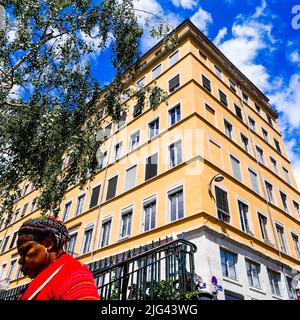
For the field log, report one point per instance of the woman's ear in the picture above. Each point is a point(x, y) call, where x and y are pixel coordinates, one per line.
point(48, 243)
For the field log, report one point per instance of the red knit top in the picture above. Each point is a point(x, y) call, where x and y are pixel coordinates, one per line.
point(74, 281)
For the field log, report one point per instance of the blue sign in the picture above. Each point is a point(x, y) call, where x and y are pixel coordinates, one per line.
point(214, 280)
point(203, 285)
point(219, 288)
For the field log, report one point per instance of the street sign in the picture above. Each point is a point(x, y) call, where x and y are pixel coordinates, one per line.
point(214, 280)
point(219, 288)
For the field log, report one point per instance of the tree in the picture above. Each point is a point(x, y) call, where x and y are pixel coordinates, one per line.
point(48, 93)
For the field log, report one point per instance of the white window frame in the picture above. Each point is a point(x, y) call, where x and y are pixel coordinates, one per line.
point(125, 180)
point(86, 228)
point(124, 211)
point(150, 199)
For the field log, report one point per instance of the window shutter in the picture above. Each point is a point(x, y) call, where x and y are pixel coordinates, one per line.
point(130, 178)
point(95, 197)
point(254, 182)
point(112, 187)
point(174, 83)
point(151, 167)
point(236, 168)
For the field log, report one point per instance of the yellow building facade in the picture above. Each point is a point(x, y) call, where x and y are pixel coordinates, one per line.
point(209, 166)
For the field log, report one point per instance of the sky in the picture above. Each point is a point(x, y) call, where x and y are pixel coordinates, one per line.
point(262, 38)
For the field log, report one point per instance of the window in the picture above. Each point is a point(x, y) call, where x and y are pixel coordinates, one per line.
point(173, 58)
point(122, 121)
point(66, 211)
point(260, 155)
point(5, 244)
point(284, 201)
point(24, 210)
point(151, 166)
point(156, 72)
point(130, 178)
point(135, 140)
point(274, 279)
point(218, 72)
point(269, 119)
point(277, 145)
point(105, 232)
point(281, 238)
point(236, 169)
point(117, 151)
point(11, 269)
point(263, 226)
point(174, 115)
point(141, 83)
point(296, 245)
point(112, 187)
point(232, 85)
point(269, 189)
point(95, 197)
point(16, 214)
point(202, 55)
point(223, 98)
point(102, 159)
point(297, 208)
point(126, 224)
point(2, 270)
point(175, 154)
point(291, 290)
point(228, 261)
point(238, 111)
point(99, 115)
point(176, 204)
point(258, 108)
point(253, 270)
point(72, 242)
point(88, 232)
point(34, 204)
point(228, 129)
point(206, 83)
point(245, 97)
point(174, 84)
point(245, 142)
point(137, 110)
point(286, 175)
point(13, 240)
point(79, 207)
point(107, 131)
point(149, 215)
point(25, 190)
point(222, 204)
point(154, 128)
point(243, 209)
point(274, 164)
point(254, 181)
point(265, 135)
point(252, 124)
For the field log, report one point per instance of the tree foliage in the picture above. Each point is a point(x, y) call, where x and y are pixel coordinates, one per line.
point(48, 92)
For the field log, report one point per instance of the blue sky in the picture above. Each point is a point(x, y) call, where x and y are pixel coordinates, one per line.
point(257, 36)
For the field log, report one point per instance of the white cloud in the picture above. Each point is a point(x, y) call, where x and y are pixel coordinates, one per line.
point(202, 19)
point(295, 57)
point(220, 36)
point(294, 157)
point(185, 4)
point(154, 13)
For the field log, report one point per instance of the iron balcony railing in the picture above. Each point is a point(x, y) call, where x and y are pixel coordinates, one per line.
point(158, 271)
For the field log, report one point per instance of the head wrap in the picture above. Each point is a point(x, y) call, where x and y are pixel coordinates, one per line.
point(38, 228)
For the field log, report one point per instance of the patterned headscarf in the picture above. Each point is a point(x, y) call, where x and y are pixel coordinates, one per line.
point(38, 228)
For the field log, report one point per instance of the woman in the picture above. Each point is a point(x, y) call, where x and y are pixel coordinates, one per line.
point(56, 275)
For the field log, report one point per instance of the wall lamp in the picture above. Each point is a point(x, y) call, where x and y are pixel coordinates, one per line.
point(217, 178)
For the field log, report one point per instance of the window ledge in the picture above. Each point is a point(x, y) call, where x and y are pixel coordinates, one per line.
point(277, 297)
point(257, 290)
point(236, 282)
